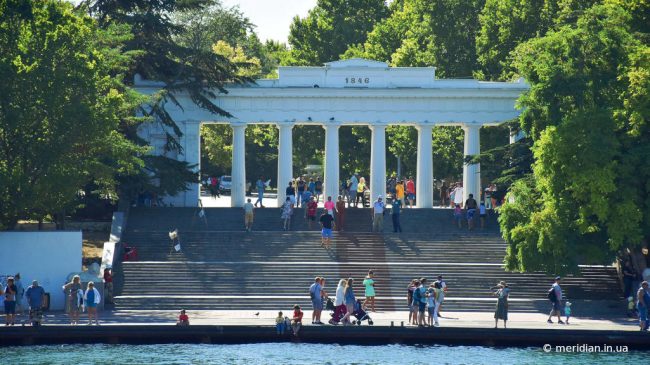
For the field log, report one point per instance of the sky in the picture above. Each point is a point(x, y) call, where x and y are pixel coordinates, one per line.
point(272, 17)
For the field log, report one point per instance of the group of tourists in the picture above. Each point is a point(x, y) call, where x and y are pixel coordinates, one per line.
point(13, 294)
point(78, 299)
point(422, 300)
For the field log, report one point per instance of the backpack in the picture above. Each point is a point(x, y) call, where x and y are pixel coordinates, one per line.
point(551, 295)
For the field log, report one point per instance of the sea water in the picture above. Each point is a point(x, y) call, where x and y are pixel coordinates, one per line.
point(300, 353)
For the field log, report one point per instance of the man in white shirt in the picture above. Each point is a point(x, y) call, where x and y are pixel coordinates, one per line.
point(378, 215)
point(248, 215)
point(458, 195)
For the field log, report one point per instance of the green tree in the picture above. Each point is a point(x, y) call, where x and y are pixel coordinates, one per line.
point(588, 195)
point(330, 28)
point(60, 108)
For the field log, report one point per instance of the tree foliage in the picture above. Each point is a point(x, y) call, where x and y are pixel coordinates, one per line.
point(588, 195)
point(60, 107)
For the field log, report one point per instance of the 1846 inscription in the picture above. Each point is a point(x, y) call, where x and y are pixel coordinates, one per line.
point(357, 80)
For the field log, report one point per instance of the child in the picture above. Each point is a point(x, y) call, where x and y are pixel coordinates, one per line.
point(567, 311)
point(296, 321)
point(183, 319)
point(458, 215)
point(279, 324)
point(482, 214)
point(431, 303)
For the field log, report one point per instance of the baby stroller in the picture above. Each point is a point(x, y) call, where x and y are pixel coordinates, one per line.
point(360, 314)
point(337, 312)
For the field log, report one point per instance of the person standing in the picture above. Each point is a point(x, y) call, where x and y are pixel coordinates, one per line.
point(20, 291)
point(249, 215)
point(378, 215)
point(410, 191)
point(458, 194)
point(91, 300)
point(501, 311)
point(350, 301)
point(555, 296)
point(361, 189)
point(301, 186)
point(629, 275)
point(316, 300)
point(287, 212)
point(470, 205)
point(413, 317)
point(354, 184)
point(643, 301)
point(444, 194)
point(318, 189)
point(482, 214)
point(437, 295)
point(108, 285)
point(10, 292)
point(312, 207)
point(260, 191)
point(369, 283)
point(329, 206)
point(399, 192)
point(420, 301)
point(395, 214)
point(312, 186)
point(74, 295)
point(345, 189)
point(487, 196)
point(35, 298)
point(340, 213)
point(326, 229)
point(443, 292)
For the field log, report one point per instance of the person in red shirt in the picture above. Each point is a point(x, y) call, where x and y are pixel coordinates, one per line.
point(296, 321)
point(183, 319)
point(410, 191)
point(312, 206)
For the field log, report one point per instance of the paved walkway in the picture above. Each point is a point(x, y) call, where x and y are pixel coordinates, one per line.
point(266, 318)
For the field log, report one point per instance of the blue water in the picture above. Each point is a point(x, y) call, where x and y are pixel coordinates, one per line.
point(290, 353)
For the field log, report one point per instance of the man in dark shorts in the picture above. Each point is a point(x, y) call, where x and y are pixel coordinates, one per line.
point(326, 223)
point(312, 207)
point(315, 291)
point(470, 205)
point(35, 297)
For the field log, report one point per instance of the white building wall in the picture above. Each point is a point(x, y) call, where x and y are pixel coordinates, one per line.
point(44, 256)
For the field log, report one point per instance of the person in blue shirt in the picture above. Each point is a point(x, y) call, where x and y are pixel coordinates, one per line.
point(35, 298)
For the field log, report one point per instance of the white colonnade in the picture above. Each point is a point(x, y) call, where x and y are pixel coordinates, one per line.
point(285, 159)
point(238, 187)
point(331, 183)
point(471, 172)
point(377, 161)
point(424, 178)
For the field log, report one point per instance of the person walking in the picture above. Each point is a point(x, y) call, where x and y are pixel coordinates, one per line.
point(395, 214)
point(470, 206)
point(91, 299)
point(643, 301)
point(352, 188)
point(249, 215)
point(410, 191)
point(108, 285)
point(339, 299)
point(310, 212)
point(74, 296)
point(10, 291)
point(315, 291)
point(287, 212)
point(329, 206)
point(378, 215)
point(350, 301)
point(326, 229)
point(291, 193)
point(369, 284)
point(501, 310)
point(555, 296)
point(340, 213)
point(35, 295)
point(260, 191)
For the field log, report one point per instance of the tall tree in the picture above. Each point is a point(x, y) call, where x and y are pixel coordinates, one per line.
point(588, 195)
point(60, 107)
point(330, 28)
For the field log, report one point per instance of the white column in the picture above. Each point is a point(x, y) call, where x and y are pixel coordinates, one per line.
point(192, 155)
point(238, 189)
point(285, 159)
point(424, 181)
point(471, 173)
point(377, 162)
point(331, 183)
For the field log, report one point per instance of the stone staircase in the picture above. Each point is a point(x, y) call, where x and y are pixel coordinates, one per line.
point(223, 267)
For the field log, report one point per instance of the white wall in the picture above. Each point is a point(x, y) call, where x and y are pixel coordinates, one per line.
point(44, 256)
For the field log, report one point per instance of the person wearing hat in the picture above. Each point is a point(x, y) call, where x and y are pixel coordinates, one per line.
point(555, 296)
point(501, 311)
point(378, 215)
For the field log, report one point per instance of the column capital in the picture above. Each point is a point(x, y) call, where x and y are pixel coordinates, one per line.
point(378, 126)
point(331, 123)
point(238, 124)
point(420, 126)
point(471, 126)
point(285, 124)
